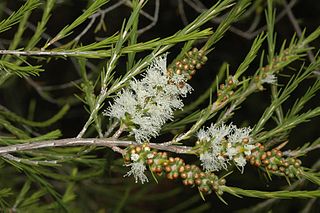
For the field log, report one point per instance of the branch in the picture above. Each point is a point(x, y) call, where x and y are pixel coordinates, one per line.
point(103, 142)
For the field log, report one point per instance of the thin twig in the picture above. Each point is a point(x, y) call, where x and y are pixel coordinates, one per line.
point(296, 27)
point(182, 13)
point(27, 161)
point(154, 19)
point(111, 128)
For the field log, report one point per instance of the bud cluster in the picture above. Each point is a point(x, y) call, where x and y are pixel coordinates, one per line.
point(267, 72)
point(226, 90)
point(187, 66)
point(274, 162)
point(174, 168)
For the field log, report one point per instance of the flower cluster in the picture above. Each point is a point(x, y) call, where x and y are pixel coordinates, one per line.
point(217, 145)
point(149, 102)
point(173, 168)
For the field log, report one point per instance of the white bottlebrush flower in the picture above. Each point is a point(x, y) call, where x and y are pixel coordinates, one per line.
point(149, 103)
point(212, 159)
point(211, 162)
point(137, 170)
point(269, 79)
point(203, 135)
point(238, 134)
point(135, 157)
point(217, 133)
point(240, 161)
point(225, 142)
point(232, 151)
point(248, 148)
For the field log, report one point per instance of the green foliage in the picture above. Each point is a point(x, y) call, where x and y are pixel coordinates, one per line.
point(57, 157)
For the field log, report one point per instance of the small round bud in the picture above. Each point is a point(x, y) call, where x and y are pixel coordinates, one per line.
point(175, 175)
point(132, 151)
point(274, 167)
point(183, 175)
point(230, 81)
point(204, 59)
point(190, 182)
point(138, 149)
point(269, 153)
point(245, 140)
point(181, 169)
point(149, 161)
point(185, 61)
point(222, 181)
point(279, 153)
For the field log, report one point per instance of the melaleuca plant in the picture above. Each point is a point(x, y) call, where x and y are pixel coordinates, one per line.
point(131, 125)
